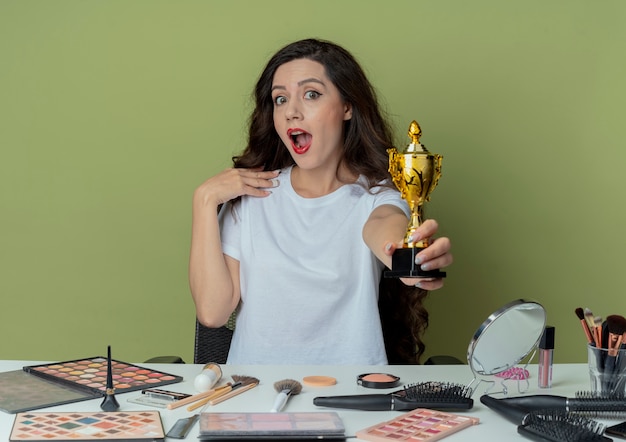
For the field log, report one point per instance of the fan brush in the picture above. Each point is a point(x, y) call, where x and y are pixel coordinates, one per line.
point(433, 395)
point(285, 389)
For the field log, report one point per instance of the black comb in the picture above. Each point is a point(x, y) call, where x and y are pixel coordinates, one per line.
point(433, 395)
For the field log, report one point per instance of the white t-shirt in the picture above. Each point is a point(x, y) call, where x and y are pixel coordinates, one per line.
point(309, 284)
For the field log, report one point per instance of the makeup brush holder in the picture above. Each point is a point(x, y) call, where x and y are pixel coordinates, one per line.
point(607, 370)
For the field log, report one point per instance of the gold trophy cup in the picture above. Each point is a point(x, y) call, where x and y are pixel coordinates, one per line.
point(415, 172)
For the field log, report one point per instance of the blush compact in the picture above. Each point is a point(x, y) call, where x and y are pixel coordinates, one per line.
point(377, 380)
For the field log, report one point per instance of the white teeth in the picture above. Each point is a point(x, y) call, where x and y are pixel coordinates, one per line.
point(296, 132)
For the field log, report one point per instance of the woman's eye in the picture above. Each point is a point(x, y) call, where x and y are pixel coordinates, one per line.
point(280, 100)
point(311, 95)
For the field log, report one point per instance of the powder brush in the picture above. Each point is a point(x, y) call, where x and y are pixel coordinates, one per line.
point(285, 388)
point(433, 395)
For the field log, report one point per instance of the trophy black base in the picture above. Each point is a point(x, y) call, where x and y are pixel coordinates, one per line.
point(403, 265)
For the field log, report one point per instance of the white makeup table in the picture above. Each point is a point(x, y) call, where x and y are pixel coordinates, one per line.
point(567, 380)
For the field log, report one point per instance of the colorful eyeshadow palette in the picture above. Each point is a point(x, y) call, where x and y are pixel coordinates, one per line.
point(271, 426)
point(418, 425)
point(118, 425)
point(90, 375)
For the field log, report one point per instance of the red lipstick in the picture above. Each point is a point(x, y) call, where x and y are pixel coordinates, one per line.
point(300, 140)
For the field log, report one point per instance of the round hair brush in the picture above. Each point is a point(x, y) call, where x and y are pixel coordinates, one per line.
point(285, 388)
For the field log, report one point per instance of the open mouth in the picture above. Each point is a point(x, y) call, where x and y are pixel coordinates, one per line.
point(300, 140)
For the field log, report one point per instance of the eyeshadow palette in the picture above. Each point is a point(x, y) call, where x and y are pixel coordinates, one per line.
point(118, 425)
point(271, 426)
point(418, 425)
point(90, 375)
point(20, 391)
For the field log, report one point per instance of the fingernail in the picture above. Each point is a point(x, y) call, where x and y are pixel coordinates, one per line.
point(418, 285)
point(388, 246)
point(418, 260)
point(425, 266)
point(275, 182)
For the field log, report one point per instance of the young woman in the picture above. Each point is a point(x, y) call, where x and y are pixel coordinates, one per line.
point(309, 221)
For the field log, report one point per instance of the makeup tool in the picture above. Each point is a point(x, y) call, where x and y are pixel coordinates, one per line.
point(589, 318)
point(583, 322)
point(506, 338)
point(109, 403)
point(597, 330)
point(285, 389)
point(547, 424)
point(210, 375)
point(216, 393)
point(616, 326)
point(434, 395)
point(271, 426)
point(584, 404)
point(319, 381)
point(182, 427)
point(417, 425)
point(378, 380)
point(236, 391)
point(192, 398)
point(143, 426)
point(546, 354)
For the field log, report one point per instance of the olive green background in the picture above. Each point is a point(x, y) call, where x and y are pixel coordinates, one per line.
point(113, 112)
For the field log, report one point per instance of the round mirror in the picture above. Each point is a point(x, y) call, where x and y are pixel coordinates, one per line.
point(506, 337)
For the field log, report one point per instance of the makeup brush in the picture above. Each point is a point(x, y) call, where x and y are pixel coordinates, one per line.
point(597, 330)
point(109, 403)
point(285, 389)
point(589, 318)
point(584, 404)
point(434, 395)
point(246, 383)
point(581, 316)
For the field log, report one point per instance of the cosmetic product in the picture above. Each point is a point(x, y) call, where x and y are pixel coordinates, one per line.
point(109, 403)
point(144, 426)
point(211, 373)
point(271, 426)
point(419, 425)
point(377, 380)
point(546, 354)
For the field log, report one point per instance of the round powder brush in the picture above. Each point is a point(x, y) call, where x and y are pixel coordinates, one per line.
point(285, 388)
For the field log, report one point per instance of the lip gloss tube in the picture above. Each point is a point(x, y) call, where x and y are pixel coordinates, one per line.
point(546, 354)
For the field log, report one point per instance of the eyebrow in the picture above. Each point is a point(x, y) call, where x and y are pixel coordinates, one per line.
point(301, 82)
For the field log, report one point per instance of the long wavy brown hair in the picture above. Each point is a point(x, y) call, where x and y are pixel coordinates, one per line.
point(367, 136)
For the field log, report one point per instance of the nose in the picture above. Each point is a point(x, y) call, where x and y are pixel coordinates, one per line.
point(293, 110)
